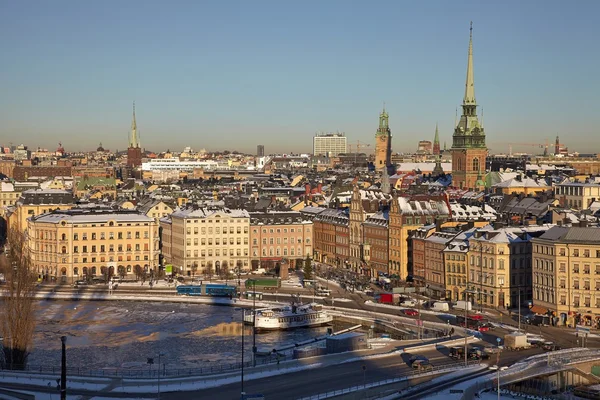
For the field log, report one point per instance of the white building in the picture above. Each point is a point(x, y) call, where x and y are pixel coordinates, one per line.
point(174, 164)
point(206, 240)
point(329, 144)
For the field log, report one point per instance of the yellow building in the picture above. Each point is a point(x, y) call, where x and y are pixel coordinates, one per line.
point(70, 245)
point(499, 265)
point(406, 215)
point(455, 267)
point(206, 240)
point(566, 274)
point(8, 195)
point(35, 202)
point(521, 184)
point(576, 195)
point(156, 209)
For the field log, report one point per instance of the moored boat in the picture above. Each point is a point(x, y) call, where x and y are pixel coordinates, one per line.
point(289, 317)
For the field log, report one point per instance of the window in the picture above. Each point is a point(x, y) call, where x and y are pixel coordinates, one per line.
point(93, 236)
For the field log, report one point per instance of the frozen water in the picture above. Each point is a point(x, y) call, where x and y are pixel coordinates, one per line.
point(125, 333)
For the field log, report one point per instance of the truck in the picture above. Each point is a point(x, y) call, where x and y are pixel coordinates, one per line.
point(263, 284)
point(440, 306)
point(384, 298)
point(463, 305)
point(516, 341)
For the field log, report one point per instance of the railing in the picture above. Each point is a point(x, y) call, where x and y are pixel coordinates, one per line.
point(141, 373)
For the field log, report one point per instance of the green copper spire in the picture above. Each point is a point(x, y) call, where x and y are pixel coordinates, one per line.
point(469, 132)
point(134, 140)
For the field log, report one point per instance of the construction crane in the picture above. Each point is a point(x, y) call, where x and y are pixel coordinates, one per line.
point(539, 145)
point(356, 145)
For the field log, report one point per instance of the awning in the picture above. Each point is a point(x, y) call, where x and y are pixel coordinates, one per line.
point(538, 309)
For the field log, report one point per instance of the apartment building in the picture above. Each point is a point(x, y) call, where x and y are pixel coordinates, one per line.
point(566, 274)
point(500, 264)
point(331, 237)
point(375, 230)
point(576, 195)
point(455, 266)
point(279, 236)
point(407, 214)
point(34, 202)
point(81, 243)
point(206, 240)
point(435, 275)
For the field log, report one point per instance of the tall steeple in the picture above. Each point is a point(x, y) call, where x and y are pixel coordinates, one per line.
point(383, 142)
point(469, 151)
point(469, 132)
point(134, 141)
point(436, 141)
point(470, 83)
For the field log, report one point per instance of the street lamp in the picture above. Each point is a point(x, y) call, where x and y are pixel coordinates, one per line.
point(158, 375)
point(63, 369)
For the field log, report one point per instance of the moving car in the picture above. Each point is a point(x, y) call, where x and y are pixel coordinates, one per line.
point(422, 365)
point(410, 312)
point(415, 358)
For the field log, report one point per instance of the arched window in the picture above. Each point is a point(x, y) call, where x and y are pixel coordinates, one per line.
point(476, 164)
point(64, 236)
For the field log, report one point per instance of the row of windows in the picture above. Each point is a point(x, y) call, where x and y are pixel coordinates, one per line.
point(217, 252)
point(279, 252)
point(279, 240)
point(218, 221)
point(278, 230)
point(216, 230)
point(203, 241)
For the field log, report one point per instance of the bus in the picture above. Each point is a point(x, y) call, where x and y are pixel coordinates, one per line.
point(213, 290)
point(475, 322)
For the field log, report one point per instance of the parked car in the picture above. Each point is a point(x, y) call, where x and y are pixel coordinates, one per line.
point(550, 346)
point(457, 352)
point(409, 303)
point(417, 357)
point(410, 312)
point(422, 365)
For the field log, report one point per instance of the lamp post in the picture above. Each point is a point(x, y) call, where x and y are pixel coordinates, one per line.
point(63, 369)
point(243, 314)
point(419, 307)
point(254, 323)
point(158, 375)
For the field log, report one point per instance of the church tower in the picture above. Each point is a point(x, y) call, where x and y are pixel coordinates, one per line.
point(134, 151)
point(436, 142)
point(383, 142)
point(469, 152)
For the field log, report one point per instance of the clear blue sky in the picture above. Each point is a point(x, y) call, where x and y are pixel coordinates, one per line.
point(233, 74)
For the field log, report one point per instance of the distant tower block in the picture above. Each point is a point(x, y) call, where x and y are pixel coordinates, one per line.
point(260, 150)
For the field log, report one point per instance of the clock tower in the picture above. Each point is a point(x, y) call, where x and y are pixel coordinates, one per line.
point(468, 150)
point(383, 142)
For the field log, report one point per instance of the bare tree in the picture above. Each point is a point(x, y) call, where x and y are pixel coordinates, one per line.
point(17, 315)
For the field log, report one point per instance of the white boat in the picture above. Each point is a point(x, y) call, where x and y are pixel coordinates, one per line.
point(289, 317)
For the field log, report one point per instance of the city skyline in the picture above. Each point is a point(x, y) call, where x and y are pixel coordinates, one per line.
point(280, 80)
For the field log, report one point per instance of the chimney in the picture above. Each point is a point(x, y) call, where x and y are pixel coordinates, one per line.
point(319, 186)
point(583, 223)
point(307, 189)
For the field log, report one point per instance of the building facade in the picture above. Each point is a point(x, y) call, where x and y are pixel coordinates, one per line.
point(79, 244)
point(576, 195)
point(208, 241)
point(566, 275)
point(331, 237)
point(469, 151)
point(329, 144)
point(377, 239)
point(279, 237)
point(383, 142)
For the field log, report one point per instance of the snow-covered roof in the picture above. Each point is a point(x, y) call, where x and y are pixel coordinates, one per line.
point(91, 217)
point(202, 212)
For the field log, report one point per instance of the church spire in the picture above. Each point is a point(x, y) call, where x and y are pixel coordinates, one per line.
point(134, 140)
point(470, 83)
point(436, 141)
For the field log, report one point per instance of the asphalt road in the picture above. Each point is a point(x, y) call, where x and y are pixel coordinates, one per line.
point(314, 381)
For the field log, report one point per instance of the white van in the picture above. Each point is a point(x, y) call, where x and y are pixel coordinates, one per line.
point(463, 305)
point(259, 271)
point(440, 306)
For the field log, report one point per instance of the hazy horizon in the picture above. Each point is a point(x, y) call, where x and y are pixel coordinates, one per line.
point(232, 74)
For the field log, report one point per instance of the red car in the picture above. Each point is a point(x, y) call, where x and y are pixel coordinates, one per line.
point(410, 312)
